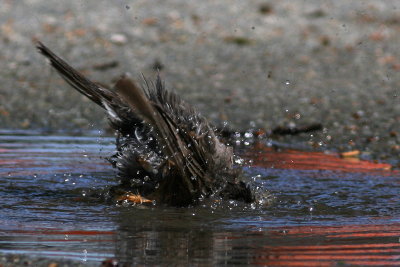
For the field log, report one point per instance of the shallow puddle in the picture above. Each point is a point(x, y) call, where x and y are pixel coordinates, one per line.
point(326, 210)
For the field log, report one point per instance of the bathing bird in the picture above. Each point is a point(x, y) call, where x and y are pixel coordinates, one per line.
point(165, 150)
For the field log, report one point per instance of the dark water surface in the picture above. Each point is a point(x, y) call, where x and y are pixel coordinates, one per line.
point(340, 212)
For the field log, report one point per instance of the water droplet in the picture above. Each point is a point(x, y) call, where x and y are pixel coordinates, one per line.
point(84, 255)
point(239, 161)
point(248, 135)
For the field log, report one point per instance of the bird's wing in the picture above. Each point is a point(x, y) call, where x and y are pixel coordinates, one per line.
point(194, 130)
point(167, 133)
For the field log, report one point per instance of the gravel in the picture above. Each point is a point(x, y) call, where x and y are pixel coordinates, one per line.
point(254, 64)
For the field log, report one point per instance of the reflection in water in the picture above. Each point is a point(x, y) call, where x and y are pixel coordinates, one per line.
point(284, 246)
point(320, 216)
point(175, 236)
point(151, 242)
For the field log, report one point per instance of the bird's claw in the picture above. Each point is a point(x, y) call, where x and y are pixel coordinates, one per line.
point(133, 198)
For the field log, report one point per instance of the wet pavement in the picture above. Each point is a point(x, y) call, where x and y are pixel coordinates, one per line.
point(253, 64)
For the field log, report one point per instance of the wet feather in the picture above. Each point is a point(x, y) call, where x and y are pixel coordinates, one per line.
point(166, 151)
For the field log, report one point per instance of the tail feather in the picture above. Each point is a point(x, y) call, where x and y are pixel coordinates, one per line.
point(94, 92)
point(119, 113)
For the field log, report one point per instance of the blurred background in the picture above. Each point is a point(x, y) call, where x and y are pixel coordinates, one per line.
point(253, 64)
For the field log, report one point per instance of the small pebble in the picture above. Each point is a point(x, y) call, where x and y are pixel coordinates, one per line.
point(119, 39)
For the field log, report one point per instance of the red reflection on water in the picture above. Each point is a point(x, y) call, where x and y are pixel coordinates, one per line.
point(269, 157)
point(367, 246)
point(313, 230)
point(364, 245)
point(57, 232)
point(28, 164)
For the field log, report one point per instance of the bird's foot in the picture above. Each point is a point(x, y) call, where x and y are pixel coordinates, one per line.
point(133, 198)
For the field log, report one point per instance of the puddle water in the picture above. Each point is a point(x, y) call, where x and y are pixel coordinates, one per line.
point(327, 210)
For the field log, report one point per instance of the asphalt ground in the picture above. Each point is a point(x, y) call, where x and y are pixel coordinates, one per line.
point(253, 64)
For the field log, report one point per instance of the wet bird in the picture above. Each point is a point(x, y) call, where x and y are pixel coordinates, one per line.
point(166, 151)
